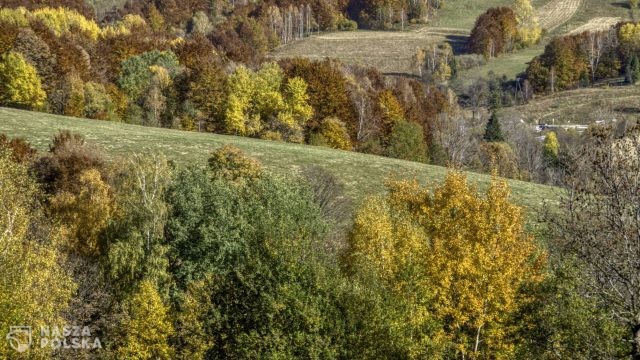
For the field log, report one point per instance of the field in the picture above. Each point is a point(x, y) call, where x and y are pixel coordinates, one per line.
point(362, 174)
point(596, 24)
point(582, 106)
point(389, 51)
point(392, 51)
point(557, 12)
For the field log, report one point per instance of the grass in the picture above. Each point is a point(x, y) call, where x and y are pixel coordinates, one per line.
point(463, 13)
point(510, 64)
point(582, 106)
point(361, 174)
point(590, 9)
point(389, 51)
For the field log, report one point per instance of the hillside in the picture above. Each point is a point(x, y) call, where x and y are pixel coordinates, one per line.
point(362, 174)
point(582, 106)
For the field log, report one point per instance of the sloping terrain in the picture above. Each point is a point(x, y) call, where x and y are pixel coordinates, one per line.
point(362, 174)
point(582, 106)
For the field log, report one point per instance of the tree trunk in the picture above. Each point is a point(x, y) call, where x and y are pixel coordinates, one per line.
point(635, 351)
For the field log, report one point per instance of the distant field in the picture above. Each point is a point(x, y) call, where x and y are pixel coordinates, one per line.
point(592, 9)
point(389, 51)
point(582, 106)
point(463, 13)
point(362, 174)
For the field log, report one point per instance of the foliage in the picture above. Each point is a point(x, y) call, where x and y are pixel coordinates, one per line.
point(332, 133)
point(259, 101)
point(147, 326)
point(34, 288)
point(85, 214)
point(495, 32)
point(135, 244)
point(20, 85)
point(230, 163)
point(551, 148)
point(493, 131)
point(463, 258)
point(407, 142)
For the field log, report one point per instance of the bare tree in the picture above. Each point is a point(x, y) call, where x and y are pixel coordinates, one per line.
point(600, 223)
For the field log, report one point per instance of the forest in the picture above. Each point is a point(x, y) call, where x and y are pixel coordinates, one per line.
point(144, 257)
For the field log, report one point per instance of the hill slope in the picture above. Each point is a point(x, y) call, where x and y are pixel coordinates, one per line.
point(362, 174)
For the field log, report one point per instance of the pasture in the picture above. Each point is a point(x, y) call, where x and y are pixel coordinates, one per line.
point(362, 174)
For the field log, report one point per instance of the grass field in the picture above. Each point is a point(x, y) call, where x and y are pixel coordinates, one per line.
point(362, 174)
point(389, 51)
point(582, 106)
point(463, 13)
point(591, 9)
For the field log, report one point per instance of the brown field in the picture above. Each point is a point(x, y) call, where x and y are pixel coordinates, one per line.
point(596, 24)
point(557, 12)
point(389, 51)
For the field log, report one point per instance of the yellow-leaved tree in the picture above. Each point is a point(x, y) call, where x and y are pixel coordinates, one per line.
point(529, 30)
point(34, 289)
point(147, 326)
point(457, 258)
point(20, 84)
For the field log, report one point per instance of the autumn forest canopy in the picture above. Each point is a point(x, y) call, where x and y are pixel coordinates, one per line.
point(154, 258)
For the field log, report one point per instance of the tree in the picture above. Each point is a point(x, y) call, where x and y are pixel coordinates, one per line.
point(230, 163)
point(20, 85)
point(494, 32)
point(529, 30)
point(598, 225)
point(147, 326)
point(34, 288)
point(457, 258)
point(85, 214)
point(271, 293)
point(333, 133)
point(135, 244)
point(407, 142)
point(493, 132)
point(551, 148)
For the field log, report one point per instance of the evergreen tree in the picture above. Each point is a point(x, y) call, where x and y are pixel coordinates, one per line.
point(493, 132)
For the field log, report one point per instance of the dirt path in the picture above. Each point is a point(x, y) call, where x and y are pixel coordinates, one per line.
point(557, 12)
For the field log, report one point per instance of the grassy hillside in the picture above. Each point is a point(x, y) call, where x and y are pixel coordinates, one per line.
point(362, 174)
point(582, 106)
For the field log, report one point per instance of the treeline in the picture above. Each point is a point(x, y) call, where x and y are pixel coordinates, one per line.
point(229, 261)
point(214, 78)
point(585, 59)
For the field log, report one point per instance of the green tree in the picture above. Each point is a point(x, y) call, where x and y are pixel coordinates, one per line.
point(407, 142)
point(147, 326)
point(493, 131)
point(259, 241)
point(20, 85)
point(135, 237)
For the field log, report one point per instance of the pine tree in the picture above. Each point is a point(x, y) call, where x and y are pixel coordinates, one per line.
point(493, 131)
